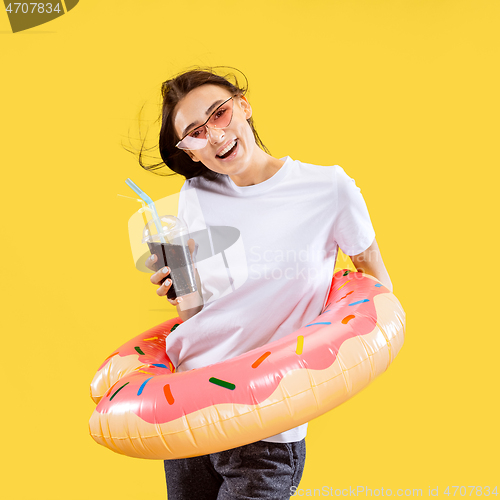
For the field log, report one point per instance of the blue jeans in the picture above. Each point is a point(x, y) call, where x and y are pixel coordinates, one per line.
point(259, 470)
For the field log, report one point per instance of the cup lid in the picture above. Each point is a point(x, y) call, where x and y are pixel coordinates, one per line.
point(172, 228)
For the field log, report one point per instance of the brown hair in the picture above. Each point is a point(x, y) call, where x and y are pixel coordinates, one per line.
point(172, 92)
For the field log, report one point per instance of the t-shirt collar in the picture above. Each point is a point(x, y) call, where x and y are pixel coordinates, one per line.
point(261, 186)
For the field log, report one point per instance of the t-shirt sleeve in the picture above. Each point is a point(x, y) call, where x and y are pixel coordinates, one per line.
point(352, 228)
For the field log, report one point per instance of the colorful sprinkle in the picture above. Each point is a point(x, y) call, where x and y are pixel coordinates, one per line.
point(262, 358)
point(349, 293)
point(347, 319)
point(168, 394)
point(378, 285)
point(152, 338)
point(118, 391)
point(159, 365)
point(174, 327)
point(346, 273)
point(359, 302)
point(300, 344)
point(222, 383)
point(138, 349)
point(320, 323)
point(343, 284)
point(143, 385)
point(172, 369)
point(147, 373)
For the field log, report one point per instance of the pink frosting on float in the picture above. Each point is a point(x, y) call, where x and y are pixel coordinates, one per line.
point(154, 349)
point(190, 391)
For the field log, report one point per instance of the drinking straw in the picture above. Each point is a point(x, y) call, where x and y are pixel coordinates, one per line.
point(151, 204)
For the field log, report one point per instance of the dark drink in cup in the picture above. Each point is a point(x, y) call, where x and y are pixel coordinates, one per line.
point(171, 249)
point(178, 259)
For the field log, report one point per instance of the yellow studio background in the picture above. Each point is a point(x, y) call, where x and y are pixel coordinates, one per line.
point(403, 95)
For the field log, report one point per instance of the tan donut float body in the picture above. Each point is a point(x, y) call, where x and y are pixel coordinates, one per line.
point(145, 410)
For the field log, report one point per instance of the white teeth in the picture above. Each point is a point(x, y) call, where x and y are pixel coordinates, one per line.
point(224, 151)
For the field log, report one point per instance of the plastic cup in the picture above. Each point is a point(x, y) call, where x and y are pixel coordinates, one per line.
point(174, 254)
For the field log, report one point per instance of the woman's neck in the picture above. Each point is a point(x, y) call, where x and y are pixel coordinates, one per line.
point(263, 167)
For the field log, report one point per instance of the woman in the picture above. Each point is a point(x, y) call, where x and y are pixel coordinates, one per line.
point(292, 217)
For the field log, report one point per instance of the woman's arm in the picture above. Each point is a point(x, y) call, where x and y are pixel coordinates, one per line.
point(370, 262)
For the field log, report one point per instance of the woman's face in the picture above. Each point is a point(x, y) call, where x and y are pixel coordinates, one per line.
point(193, 109)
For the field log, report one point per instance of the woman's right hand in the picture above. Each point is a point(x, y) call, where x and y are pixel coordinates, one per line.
point(158, 276)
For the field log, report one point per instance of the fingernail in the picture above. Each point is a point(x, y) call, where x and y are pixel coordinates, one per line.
point(179, 299)
point(166, 270)
point(167, 282)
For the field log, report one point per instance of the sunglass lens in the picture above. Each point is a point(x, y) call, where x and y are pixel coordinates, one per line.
point(190, 142)
point(222, 116)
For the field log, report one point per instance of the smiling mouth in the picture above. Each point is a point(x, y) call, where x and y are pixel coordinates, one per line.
point(230, 151)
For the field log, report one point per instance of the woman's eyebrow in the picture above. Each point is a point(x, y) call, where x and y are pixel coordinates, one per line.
point(207, 112)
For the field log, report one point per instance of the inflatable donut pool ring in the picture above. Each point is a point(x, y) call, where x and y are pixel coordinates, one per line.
point(146, 410)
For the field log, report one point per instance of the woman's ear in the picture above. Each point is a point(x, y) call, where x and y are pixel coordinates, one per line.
point(245, 106)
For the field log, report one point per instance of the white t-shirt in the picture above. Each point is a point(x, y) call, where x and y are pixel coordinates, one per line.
point(269, 272)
